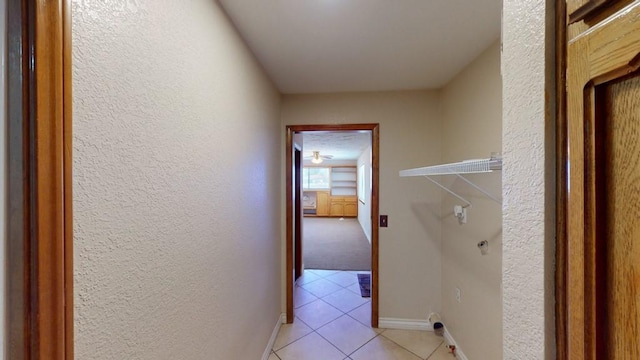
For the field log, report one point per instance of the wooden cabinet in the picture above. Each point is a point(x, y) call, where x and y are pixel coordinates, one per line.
point(322, 203)
point(351, 206)
point(340, 200)
point(337, 206)
point(344, 206)
point(601, 304)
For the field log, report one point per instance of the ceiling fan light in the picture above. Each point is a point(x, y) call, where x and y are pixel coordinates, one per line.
point(316, 157)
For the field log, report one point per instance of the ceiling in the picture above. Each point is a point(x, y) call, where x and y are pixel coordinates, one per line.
point(342, 145)
point(320, 46)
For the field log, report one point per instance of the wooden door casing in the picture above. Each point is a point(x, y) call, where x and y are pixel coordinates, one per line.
point(603, 253)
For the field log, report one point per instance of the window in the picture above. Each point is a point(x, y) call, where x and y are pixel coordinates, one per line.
point(316, 178)
point(361, 195)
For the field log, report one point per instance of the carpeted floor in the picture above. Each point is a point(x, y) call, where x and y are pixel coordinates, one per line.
point(330, 243)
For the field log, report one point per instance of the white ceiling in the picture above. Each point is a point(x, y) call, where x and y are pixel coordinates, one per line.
point(319, 46)
point(342, 145)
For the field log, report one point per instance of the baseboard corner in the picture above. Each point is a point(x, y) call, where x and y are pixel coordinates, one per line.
point(450, 341)
point(274, 334)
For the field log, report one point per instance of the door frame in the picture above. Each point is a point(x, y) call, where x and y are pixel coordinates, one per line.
point(562, 155)
point(375, 209)
point(39, 258)
point(298, 213)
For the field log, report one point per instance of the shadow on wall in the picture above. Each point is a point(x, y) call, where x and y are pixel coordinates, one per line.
point(429, 216)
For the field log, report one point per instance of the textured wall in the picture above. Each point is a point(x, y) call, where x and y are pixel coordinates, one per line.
point(472, 129)
point(176, 184)
point(409, 137)
point(528, 184)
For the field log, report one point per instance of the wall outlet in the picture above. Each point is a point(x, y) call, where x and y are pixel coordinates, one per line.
point(458, 295)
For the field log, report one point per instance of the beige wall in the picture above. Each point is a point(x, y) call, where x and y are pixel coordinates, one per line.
point(176, 151)
point(472, 129)
point(410, 133)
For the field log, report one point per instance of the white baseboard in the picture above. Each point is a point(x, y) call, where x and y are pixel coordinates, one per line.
point(281, 320)
point(450, 341)
point(404, 324)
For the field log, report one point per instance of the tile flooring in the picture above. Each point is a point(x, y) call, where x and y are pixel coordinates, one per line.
point(333, 322)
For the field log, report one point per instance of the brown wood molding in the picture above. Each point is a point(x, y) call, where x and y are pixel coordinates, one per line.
point(49, 180)
point(561, 180)
point(588, 10)
point(595, 11)
point(18, 256)
point(40, 297)
point(67, 149)
point(52, 180)
point(289, 222)
point(375, 215)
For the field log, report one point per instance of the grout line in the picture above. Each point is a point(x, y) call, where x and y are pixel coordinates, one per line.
point(434, 350)
point(293, 342)
point(307, 325)
point(343, 313)
point(410, 350)
point(329, 341)
point(370, 340)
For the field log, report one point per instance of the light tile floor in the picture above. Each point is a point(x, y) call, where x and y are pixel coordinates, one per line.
point(333, 322)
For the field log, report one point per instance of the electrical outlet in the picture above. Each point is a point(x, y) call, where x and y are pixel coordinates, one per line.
point(458, 295)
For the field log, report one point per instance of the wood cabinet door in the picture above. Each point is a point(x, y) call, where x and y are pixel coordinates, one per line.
point(603, 213)
point(351, 208)
point(322, 201)
point(337, 207)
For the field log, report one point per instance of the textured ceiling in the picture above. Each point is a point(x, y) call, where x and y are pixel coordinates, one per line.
point(317, 46)
point(342, 145)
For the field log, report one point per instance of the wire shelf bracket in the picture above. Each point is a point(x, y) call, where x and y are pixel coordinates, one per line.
point(459, 169)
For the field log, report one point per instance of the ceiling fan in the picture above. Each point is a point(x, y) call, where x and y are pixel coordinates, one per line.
point(316, 158)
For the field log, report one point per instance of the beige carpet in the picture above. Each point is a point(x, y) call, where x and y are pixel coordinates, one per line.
point(330, 243)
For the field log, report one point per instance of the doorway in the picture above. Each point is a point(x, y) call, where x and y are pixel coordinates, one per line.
point(294, 211)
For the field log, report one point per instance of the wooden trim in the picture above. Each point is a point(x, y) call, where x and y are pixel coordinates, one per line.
point(40, 231)
point(592, 59)
point(588, 10)
point(68, 180)
point(595, 12)
point(561, 180)
point(49, 180)
point(289, 223)
point(375, 206)
point(18, 303)
point(375, 211)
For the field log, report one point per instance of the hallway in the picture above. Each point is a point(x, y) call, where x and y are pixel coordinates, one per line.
point(178, 182)
point(333, 322)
